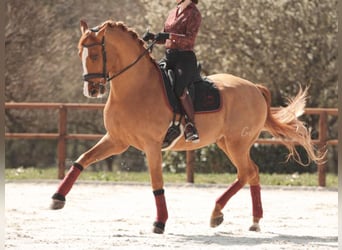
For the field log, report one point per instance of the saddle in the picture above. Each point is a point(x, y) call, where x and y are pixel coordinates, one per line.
point(204, 95)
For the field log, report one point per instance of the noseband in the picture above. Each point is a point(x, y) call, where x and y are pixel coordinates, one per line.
point(104, 74)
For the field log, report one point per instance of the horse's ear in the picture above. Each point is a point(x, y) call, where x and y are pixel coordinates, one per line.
point(84, 26)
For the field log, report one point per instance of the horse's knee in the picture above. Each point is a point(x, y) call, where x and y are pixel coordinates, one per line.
point(102, 149)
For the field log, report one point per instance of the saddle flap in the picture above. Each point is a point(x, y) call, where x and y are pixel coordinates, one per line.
point(205, 96)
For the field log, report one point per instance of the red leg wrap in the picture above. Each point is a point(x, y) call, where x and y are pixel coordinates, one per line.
point(256, 201)
point(233, 189)
point(162, 213)
point(69, 179)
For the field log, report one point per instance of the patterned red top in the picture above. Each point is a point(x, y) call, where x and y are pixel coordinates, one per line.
point(184, 23)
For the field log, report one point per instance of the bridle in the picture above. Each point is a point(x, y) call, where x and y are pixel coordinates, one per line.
point(104, 74)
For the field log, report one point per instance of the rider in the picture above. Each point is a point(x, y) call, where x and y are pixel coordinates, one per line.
point(179, 34)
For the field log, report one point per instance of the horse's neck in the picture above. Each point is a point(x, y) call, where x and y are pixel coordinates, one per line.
point(141, 81)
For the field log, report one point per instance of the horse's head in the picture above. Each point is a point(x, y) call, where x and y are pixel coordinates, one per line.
point(123, 46)
point(93, 56)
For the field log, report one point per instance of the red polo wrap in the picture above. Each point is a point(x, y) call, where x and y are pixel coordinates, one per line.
point(162, 213)
point(256, 201)
point(69, 180)
point(233, 189)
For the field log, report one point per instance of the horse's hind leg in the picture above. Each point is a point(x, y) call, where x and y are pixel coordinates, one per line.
point(217, 216)
point(247, 172)
point(103, 149)
point(254, 186)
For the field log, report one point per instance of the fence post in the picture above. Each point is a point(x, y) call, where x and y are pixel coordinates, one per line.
point(190, 161)
point(62, 130)
point(322, 146)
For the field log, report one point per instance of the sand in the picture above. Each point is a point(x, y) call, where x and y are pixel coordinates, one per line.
point(101, 215)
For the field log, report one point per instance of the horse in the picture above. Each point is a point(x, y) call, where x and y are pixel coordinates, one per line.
point(138, 114)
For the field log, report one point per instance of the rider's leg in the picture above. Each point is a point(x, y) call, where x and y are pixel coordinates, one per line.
point(184, 64)
point(190, 130)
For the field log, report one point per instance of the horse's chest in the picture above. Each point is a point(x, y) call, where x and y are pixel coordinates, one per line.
point(117, 121)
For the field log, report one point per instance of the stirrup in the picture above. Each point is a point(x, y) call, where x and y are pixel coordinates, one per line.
point(190, 133)
point(173, 134)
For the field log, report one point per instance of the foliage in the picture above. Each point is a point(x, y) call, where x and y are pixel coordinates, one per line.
point(293, 179)
point(278, 43)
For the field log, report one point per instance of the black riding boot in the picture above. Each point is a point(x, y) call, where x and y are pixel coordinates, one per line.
point(190, 130)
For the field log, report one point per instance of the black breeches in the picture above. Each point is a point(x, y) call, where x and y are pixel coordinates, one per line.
point(184, 65)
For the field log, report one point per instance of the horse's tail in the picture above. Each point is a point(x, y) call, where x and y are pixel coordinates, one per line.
point(284, 125)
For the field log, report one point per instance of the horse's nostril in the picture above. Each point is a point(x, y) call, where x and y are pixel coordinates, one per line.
point(102, 89)
point(93, 92)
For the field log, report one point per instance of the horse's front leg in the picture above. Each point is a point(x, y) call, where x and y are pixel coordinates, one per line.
point(154, 158)
point(103, 149)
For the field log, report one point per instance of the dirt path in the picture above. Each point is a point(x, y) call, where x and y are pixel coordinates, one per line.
point(114, 216)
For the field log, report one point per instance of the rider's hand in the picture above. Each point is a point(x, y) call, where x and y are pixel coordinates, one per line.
point(162, 36)
point(148, 36)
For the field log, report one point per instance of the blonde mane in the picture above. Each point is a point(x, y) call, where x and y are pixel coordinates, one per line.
point(122, 27)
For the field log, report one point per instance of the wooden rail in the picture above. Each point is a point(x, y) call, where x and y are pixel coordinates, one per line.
point(62, 136)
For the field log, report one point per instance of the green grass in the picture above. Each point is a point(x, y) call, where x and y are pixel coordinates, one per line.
point(266, 179)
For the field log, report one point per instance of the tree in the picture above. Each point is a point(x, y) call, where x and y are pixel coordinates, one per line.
point(278, 43)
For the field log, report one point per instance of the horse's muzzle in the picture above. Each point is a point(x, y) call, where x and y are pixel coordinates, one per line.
point(94, 89)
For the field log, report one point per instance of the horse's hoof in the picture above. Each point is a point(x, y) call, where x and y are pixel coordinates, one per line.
point(158, 227)
point(255, 227)
point(57, 204)
point(216, 221)
point(58, 201)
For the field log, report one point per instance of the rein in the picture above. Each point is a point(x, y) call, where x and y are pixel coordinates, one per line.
point(104, 73)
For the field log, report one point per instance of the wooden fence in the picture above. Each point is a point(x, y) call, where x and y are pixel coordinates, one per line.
point(62, 136)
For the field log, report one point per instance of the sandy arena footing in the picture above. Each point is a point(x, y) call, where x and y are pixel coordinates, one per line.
point(120, 216)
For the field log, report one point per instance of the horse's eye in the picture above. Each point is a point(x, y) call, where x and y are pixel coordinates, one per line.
point(94, 57)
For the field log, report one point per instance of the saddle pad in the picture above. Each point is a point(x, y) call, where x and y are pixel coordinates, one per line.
point(204, 94)
point(206, 97)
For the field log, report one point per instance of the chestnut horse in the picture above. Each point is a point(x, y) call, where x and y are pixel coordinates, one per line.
point(137, 114)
